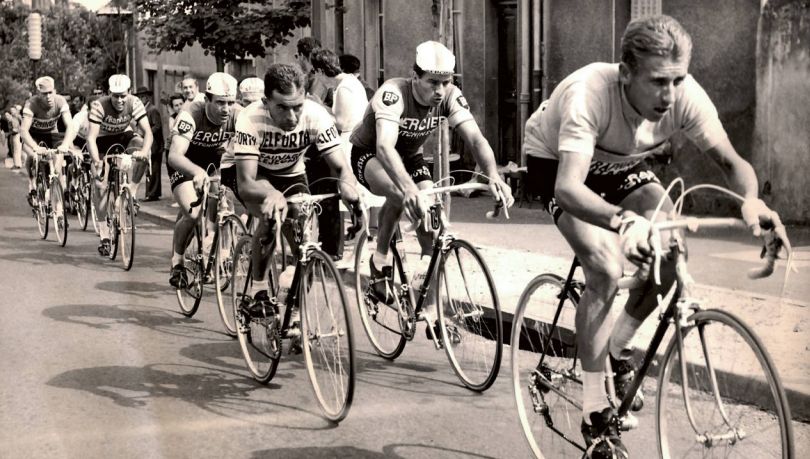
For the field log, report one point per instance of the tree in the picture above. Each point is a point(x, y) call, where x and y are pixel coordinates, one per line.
point(223, 29)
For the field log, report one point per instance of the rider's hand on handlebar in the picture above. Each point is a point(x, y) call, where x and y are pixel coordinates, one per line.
point(199, 181)
point(499, 188)
point(274, 202)
point(634, 234)
point(416, 204)
point(758, 216)
point(348, 194)
point(62, 149)
point(139, 154)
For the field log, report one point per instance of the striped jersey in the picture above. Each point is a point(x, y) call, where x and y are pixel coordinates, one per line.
point(44, 117)
point(112, 122)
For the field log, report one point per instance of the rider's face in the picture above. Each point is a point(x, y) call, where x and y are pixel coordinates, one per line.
point(118, 100)
point(655, 85)
point(432, 87)
point(49, 98)
point(189, 88)
point(285, 109)
point(219, 109)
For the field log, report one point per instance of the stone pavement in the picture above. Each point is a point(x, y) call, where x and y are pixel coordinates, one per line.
point(783, 325)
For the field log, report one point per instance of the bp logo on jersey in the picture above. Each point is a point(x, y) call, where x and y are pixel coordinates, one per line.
point(463, 102)
point(389, 98)
point(183, 127)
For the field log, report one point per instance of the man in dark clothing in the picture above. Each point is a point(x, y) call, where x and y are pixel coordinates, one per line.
point(153, 190)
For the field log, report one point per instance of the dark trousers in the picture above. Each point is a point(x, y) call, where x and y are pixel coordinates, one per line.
point(330, 223)
point(154, 189)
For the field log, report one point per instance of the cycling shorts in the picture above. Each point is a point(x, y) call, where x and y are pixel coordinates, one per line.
point(49, 139)
point(204, 161)
point(613, 188)
point(228, 178)
point(126, 138)
point(415, 165)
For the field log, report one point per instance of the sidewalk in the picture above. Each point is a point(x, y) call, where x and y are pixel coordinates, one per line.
point(782, 325)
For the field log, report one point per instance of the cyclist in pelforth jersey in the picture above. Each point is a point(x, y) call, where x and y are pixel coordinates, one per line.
point(39, 124)
point(272, 136)
point(385, 152)
point(110, 118)
point(586, 150)
point(198, 139)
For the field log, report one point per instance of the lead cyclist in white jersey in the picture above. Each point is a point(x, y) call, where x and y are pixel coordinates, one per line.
point(586, 149)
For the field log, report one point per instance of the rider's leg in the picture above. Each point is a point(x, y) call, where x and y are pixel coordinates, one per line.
point(391, 211)
point(598, 252)
point(29, 166)
point(184, 194)
point(261, 253)
point(138, 167)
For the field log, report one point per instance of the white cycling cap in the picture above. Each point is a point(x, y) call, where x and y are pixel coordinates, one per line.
point(252, 85)
point(434, 57)
point(119, 83)
point(44, 84)
point(221, 84)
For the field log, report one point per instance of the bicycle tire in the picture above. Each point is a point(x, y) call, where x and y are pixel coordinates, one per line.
point(541, 396)
point(82, 189)
point(259, 338)
point(41, 209)
point(380, 321)
point(112, 221)
point(326, 333)
point(470, 315)
point(228, 233)
point(189, 298)
point(126, 228)
point(754, 413)
point(60, 224)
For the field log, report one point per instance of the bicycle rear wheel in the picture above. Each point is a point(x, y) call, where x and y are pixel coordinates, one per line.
point(326, 331)
point(746, 416)
point(227, 236)
point(126, 228)
point(259, 337)
point(82, 198)
point(58, 212)
point(189, 297)
point(41, 209)
point(380, 321)
point(548, 394)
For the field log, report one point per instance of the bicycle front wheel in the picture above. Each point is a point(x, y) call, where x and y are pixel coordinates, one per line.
point(545, 371)
point(82, 200)
point(126, 228)
point(227, 236)
point(41, 209)
point(719, 395)
point(112, 220)
point(326, 331)
point(470, 316)
point(259, 337)
point(189, 297)
point(380, 321)
point(58, 212)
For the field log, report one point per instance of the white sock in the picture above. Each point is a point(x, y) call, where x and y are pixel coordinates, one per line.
point(103, 230)
point(381, 260)
point(623, 332)
point(594, 396)
point(257, 286)
point(177, 258)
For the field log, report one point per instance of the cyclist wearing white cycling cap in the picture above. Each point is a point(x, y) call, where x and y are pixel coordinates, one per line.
point(40, 118)
point(197, 141)
point(385, 153)
point(111, 120)
point(250, 90)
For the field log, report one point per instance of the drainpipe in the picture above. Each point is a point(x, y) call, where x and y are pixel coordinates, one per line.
point(537, 49)
point(524, 98)
point(546, 19)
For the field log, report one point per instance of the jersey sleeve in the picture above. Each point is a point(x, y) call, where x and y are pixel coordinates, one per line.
point(698, 117)
point(326, 134)
point(458, 111)
point(96, 112)
point(138, 110)
point(184, 126)
point(387, 103)
point(579, 120)
point(27, 111)
point(246, 140)
point(62, 105)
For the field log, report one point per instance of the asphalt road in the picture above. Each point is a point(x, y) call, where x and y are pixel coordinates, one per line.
point(98, 362)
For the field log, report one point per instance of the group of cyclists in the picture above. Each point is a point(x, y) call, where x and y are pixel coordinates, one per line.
point(586, 148)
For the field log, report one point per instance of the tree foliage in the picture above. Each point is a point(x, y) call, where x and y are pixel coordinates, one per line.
point(223, 28)
point(79, 50)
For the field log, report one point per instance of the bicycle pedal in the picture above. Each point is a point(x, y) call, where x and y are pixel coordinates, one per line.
point(628, 422)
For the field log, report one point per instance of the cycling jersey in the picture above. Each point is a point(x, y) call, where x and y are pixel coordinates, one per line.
point(278, 151)
point(395, 101)
point(44, 117)
point(588, 114)
point(112, 122)
point(207, 140)
point(82, 124)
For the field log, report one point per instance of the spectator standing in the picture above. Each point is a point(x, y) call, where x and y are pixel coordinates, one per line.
point(326, 68)
point(350, 99)
point(190, 90)
point(15, 142)
point(153, 190)
point(305, 47)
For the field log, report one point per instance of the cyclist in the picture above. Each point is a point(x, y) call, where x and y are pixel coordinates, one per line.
point(271, 139)
point(251, 89)
point(198, 139)
point(39, 125)
point(385, 150)
point(586, 151)
point(110, 123)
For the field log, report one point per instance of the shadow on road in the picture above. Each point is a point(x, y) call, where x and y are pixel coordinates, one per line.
point(389, 451)
point(409, 376)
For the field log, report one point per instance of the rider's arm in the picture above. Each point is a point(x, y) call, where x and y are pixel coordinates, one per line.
point(739, 171)
point(25, 135)
point(577, 199)
point(250, 189)
point(179, 160)
point(70, 130)
point(148, 138)
point(387, 134)
point(92, 147)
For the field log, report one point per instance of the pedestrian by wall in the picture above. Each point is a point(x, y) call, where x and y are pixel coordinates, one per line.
point(153, 190)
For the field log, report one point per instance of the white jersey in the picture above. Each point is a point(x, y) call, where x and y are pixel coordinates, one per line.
point(588, 114)
point(81, 122)
point(280, 151)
